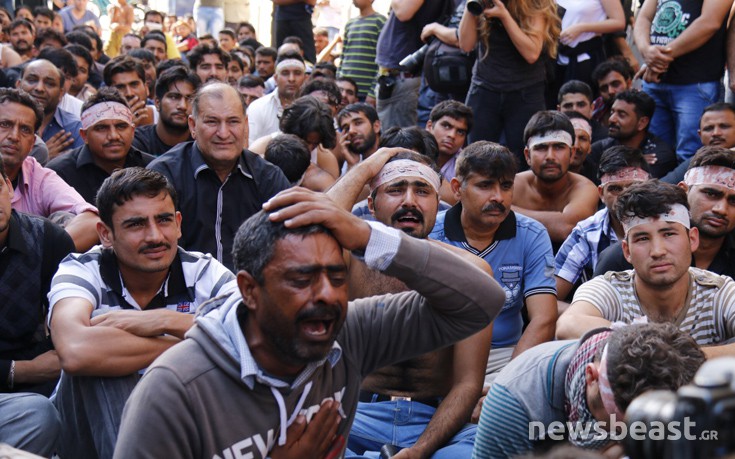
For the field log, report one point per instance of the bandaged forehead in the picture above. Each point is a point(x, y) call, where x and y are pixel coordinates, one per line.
point(550, 137)
point(403, 169)
point(106, 111)
point(582, 125)
point(293, 64)
point(711, 175)
point(626, 174)
point(677, 214)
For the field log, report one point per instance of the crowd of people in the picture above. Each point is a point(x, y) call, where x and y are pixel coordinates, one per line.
point(215, 248)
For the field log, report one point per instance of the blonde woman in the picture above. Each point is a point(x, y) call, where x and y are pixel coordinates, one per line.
point(509, 75)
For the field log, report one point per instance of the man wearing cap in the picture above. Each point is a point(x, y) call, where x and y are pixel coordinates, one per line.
point(107, 130)
point(264, 113)
point(548, 192)
point(433, 395)
point(662, 286)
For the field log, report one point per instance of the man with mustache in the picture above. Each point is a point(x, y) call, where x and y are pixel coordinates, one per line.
point(209, 62)
point(516, 247)
point(359, 133)
point(663, 286)
point(117, 307)
point(21, 38)
point(175, 89)
point(437, 390)
point(548, 192)
point(107, 131)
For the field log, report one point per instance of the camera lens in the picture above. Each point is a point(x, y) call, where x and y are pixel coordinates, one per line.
point(475, 6)
point(657, 405)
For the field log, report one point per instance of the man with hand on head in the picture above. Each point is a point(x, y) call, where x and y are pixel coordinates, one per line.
point(127, 75)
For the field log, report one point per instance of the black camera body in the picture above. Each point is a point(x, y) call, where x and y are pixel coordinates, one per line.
point(697, 422)
point(476, 7)
point(414, 62)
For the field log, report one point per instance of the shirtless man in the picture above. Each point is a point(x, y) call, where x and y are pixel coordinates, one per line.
point(437, 391)
point(548, 192)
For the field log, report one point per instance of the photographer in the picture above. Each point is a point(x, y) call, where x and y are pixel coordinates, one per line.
point(509, 76)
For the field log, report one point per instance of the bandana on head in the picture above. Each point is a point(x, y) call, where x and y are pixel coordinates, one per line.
point(576, 391)
point(626, 174)
point(677, 214)
point(405, 168)
point(582, 125)
point(711, 175)
point(106, 111)
point(550, 137)
point(289, 63)
point(606, 392)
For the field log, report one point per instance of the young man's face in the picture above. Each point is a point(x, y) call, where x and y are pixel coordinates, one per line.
point(226, 42)
point(360, 132)
point(42, 22)
point(130, 86)
point(244, 33)
point(211, 68)
point(251, 94)
point(717, 129)
point(348, 92)
point(175, 106)
point(109, 141)
point(450, 134)
point(42, 80)
point(78, 82)
point(612, 84)
point(712, 208)
point(610, 192)
point(158, 48)
point(289, 81)
point(409, 204)
point(549, 161)
point(234, 72)
point(624, 122)
point(17, 134)
point(485, 201)
point(576, 102)
point(301, 306)
point(320, 42)
point(265, 66)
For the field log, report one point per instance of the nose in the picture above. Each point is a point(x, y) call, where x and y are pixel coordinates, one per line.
point(14, 133)
point(720, 206)
point(114, 133)
point(153, 233)
point(324, 291)
point(658, 247)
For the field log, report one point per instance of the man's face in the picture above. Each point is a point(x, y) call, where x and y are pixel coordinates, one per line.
point(450, 134)
point(348, 92)
point(130, 86)
point(485, 201)
point(251, 94)
point(234, 72)
point(17, 134)
point(21, 39)
point(265, 66)
point(612, 84)
point(610, 192)
point(712, 208)
point(58, 23)
point(109, 141)
point(301, 306)
point(624, 122)
point(149, 69)
point(95, 51)
point(42, 22)
point(576, 102)
point(226, 42)
point(42, 80)
point(155, 19)
point(129, 43)
point(660, 252)
point(175, 106)
point(717, 129)
point(220, 128)
point(320, 42)
point(211, 68)
point(549, 161)
point(360, 132)
point(289, 81)
point(158, 48)
point(78, 82)
point(144, 234)
point(6, 196)
point(409, 204)
point(244, 33)
point(582, 147)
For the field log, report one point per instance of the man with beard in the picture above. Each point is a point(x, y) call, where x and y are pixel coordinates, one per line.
point(175, 89)
point(548, 192)
point(516, 247)
point(359, 133)
point(662, 286)
point(630, 118)
point(59, 128)
point(264, 113)
point(209, 62)
point(288, 350)
point(582, 146)
point(119, 306)
point(21, 37)
point(348, 89)
point(435, 391)
point(107, 130)
point(613, 76)
point(126, 74)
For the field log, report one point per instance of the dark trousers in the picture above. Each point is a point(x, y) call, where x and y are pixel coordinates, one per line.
point(501, 116)
point(303, 29)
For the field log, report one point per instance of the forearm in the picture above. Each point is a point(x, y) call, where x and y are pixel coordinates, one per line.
point(537, 332)
point(348, 188)
point(445, 34)
point(693, 37)
point(43, 368)
point(725, 350)
point(468, 32)
point(557, 224)
point(171, 323)
point(572, 326)
point(404, 10)
point(83, 231)
point(607, 26)
point(529, 46)
point(642, 31)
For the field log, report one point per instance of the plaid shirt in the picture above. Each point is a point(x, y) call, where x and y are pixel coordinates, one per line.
point(578, 255)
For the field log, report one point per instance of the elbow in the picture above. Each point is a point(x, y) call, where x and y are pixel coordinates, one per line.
point(564, 328)
point(465, 45)
point(72, 360)
point(532, 56)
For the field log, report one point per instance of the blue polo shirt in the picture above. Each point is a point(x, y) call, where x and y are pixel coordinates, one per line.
point(64, 121)
point(521, 259)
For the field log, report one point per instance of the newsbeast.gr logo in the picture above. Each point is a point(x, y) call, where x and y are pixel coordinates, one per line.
point(598, 431)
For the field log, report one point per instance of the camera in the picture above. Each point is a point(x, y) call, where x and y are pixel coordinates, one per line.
point(414, 62)
point(697, 421)
point(476, 7)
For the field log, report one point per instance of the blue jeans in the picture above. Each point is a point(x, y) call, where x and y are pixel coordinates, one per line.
point(209, 19)
point(400, 423)
point(678, 110)
point(29, 422)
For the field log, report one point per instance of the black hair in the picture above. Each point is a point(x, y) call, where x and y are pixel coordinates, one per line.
point(142, 54)
point(307, 114)
point(79, 38)
point(360, 107)
point(154, 35)
point(21, 97)
point(291, 155)
point(230, 33)
point(293, 39)
point(547, 121)
point(250, 81)
point(173, 75)
point(453, 109)
point(62, 59)
point(486, 159)
point(644, 104)
point(267, 51)
point(122, 64)
point(713, 156)
point(619, 157)
point(196, 55)
point(613, 64)
point(648, 199)
point(411, 138)
point(43, 11)
point(328, 86)
point(575, 87)
point(81, 51)
point(105, 94)
point(20, 22)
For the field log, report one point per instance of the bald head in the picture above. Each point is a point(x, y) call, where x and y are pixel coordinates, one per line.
point(219, 91)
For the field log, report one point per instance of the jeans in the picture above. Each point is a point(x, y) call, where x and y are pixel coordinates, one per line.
point(678, 110)
point(400, 109)
point(29, 422)
point(400, 423)
point(92, 409)
point(501, 116)
point(209, 19)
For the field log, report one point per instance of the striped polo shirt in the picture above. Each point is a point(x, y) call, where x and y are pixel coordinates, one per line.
point(358, 55)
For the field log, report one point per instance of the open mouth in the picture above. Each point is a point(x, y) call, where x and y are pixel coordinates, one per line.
point(318, 329)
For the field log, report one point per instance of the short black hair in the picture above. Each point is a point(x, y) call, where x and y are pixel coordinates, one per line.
point(153, 13)
point(619, 157)
point(125, 184)
point(21, 97)
point(291, 155)
point(486, 159)
point(328, 86)
point(250, 81)
point(307, 114)
point(79, 38)
point(105, 94)
point(122, 64)
point(614, 64)
point(169, 64)
point(81, 51)
point(293, 39)
point(644, 104)
point(648, 199)
point(196, 55)
point(246, 24)
point(713, 156)
point(350, 81)
point(453, 109)
point(62, 59)
point(228, 32)
point(411, 138)
point(85, 29)
point(235, 58)
point(575, 87)
point(173, 75)
point(154, 35)
point(289, 55)
point(547, 121)
point(719, 107)
point(142, 54)
point(267, 51)
point(20, 22)
point(359, 107)
point(48, 33)
point(43, 11)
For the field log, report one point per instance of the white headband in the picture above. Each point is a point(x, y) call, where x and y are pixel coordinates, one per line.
point(106, 111)
point(550, 137)
point(582, 125)
point(633, 174)
point(405, 168)
point(711, 175)
point(677, 214)
point(290, 63)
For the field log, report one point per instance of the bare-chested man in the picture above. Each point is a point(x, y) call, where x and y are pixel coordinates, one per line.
point(436, 392)
point(548, 192)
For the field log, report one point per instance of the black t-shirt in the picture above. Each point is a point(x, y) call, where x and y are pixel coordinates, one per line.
point(399, 39)
point(146, 139)
point(666, 160)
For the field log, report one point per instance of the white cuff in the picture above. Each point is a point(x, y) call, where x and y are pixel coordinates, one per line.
point(382, 246)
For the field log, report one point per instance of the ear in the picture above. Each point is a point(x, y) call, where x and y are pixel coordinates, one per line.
point(683, 186)
point(106, 235)
point(9, 184)
point(83, 134)
point(694, 238)
point(456, 186)
point(157, 102)
point(527, 155)
point(192, 127)
point(643, 123)
point(599, 191)
point(591, 373)
point(429, 125)
point(376, 127)
point(248, 289)
point(371, 205)
point(178, 223)
point(626, 250)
